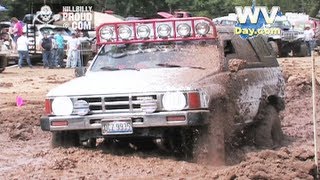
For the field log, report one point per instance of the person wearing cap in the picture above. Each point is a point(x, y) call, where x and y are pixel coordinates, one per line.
point(73, 52)
point(308, 38)
point(23, 51)
point(46, 47)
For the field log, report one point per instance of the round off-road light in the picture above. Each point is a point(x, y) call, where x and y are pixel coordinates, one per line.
point(202, 28)
point(106, 33)
point(184, 29)
point(164, 30)
point(124, 32)
point(143, 31)
point(81, 107)
point(62, 106)
point(174, 101)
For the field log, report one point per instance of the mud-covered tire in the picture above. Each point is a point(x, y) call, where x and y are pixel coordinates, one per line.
point(303, 51)
point(209, 142)
point(3, 63)
point(64, 139)
point(268, 132)
point(89, 143)
point(275, 47)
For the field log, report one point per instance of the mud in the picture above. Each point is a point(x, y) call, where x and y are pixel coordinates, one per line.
point(26, 152)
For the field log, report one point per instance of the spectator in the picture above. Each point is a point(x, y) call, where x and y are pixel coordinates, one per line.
point(22, 47)
point(46, 47)
point(16, 30)
point(53, 50)
point(308, 38)
point(60, 49)
point(73, 51)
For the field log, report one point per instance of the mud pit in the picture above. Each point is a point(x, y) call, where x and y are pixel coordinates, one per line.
point(26, 152)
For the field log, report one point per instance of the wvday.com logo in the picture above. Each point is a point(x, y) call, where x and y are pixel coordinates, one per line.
point(252, 21)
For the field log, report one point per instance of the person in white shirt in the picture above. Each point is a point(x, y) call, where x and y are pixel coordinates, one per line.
point(23, 51)
point(73, 52)
point(308, 38)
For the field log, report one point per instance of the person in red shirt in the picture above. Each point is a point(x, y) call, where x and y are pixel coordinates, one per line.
point(17, 28)
point(16, 31)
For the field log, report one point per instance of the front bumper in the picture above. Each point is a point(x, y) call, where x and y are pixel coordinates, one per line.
point(141, 120)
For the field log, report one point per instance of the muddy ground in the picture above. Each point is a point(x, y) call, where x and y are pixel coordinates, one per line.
point(26, 152)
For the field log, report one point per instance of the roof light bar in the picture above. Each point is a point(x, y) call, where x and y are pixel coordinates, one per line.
point(156, 30)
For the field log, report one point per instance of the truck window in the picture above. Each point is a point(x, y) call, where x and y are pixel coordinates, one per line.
point(256, 51)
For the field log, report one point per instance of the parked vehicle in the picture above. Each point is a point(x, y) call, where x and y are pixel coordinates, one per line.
point(290, 40)
point(171, 82)
point(176, 14)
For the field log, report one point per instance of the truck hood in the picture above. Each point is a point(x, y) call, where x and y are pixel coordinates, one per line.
point(131, 81)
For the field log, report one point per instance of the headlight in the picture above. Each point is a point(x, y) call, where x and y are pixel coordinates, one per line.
point(184, 29)
point(202, 28)
point(62, 106)
point(174, 101)
point(106, 33)
point(143, 31)
point(164, 30)
point(125, 32)
point(81, 107)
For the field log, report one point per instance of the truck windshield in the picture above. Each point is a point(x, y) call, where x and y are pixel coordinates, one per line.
point(282, 24)
point(193, 54)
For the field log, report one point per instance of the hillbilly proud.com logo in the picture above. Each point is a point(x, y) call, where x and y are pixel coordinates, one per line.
point(252, 21)
point(77, 17)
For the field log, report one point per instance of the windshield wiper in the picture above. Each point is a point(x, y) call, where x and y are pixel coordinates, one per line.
point(110, 68)
point(175, 66)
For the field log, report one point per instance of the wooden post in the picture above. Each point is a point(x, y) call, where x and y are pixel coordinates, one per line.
point(314, 113)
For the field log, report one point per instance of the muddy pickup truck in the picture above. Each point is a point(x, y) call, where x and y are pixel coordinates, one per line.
point(171, 83)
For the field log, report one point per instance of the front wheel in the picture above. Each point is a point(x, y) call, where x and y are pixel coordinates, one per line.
point(64, 139)
point(268, 132)
point(300, 50)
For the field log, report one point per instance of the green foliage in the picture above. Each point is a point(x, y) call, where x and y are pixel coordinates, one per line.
point(149, 8)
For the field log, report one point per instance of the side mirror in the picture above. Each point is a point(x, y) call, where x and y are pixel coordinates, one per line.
point(80, 71)
point(235, 65)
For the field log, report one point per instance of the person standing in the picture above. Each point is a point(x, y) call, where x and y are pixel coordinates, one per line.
point(73, 52)
point(22, 48)
point(46, 47)
point(308, 38)
point(53, 50)
point(60, 49)
point(16, 30)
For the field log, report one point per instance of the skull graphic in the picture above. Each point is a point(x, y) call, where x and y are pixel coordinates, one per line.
point(45, 13)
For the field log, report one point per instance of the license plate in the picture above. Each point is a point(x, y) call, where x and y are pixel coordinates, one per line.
point(116, 127)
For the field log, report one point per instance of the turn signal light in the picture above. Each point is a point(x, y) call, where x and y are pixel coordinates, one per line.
point(176, 118)
point(59, 123)
point(47, 106)
point(194, 100)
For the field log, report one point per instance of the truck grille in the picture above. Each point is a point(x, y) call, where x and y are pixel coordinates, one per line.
point(117, 104)
point(289, 35)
